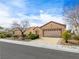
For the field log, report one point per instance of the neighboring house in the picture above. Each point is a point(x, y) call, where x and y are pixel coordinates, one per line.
point(30, 29)
point(50, 29)
point(15, 32)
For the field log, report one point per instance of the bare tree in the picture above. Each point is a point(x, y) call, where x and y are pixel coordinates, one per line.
point(22, 27)
point(72, 16)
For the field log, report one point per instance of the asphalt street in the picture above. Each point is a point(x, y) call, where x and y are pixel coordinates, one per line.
point(15, 51)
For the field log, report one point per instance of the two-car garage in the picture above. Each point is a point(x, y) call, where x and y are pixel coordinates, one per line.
point(52, 33)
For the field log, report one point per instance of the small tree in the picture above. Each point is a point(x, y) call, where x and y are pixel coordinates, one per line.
point(66, 36)
point(22, 27)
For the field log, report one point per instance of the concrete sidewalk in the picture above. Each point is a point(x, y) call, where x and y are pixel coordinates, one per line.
point(74, 49)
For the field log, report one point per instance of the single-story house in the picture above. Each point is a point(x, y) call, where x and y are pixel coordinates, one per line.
point(50, 29)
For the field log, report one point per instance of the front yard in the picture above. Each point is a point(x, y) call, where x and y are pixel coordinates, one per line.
point(47, 40)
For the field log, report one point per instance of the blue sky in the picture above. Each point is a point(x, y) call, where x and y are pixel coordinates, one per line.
point(37, 12)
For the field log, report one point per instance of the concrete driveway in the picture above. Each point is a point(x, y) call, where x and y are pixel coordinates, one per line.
point(47, 40)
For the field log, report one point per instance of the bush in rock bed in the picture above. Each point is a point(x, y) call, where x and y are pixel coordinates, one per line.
point(8, 35)
point(66, 36)
point(2, 35)
point(5, 35)
point(32, 36)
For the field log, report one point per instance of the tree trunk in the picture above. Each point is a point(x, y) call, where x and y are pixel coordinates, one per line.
point(66, 41)
point(22, 35)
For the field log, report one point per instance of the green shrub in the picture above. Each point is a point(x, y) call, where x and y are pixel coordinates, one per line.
point(66, 36)
point(32, 36)
point(37, 36)
point(5, 35)
point(2, 35)
point(8, 35)
point(15, 36)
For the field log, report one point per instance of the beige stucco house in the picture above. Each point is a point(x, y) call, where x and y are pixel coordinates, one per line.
point(50, 29)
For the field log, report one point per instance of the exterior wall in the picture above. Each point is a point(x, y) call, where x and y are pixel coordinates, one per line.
point(31, 29)
point(17, 33)
point(39, 30)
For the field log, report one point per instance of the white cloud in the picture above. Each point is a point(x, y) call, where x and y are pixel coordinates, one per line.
point(4, 10)
point(47, 17)
point(5, 15)
point(43, 17)
point(6, 19)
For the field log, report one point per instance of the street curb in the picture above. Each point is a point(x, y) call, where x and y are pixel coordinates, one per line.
point(74, 49)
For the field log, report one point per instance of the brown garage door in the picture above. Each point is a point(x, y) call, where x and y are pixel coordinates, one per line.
point(52, 33)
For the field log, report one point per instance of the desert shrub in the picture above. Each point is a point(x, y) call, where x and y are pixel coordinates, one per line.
point(32, 36)
point(2, 35)
point(8, 35)
point(15, 36)
point(66, 35)
point(37, 36)
point(23, 37)
point(5, 35)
